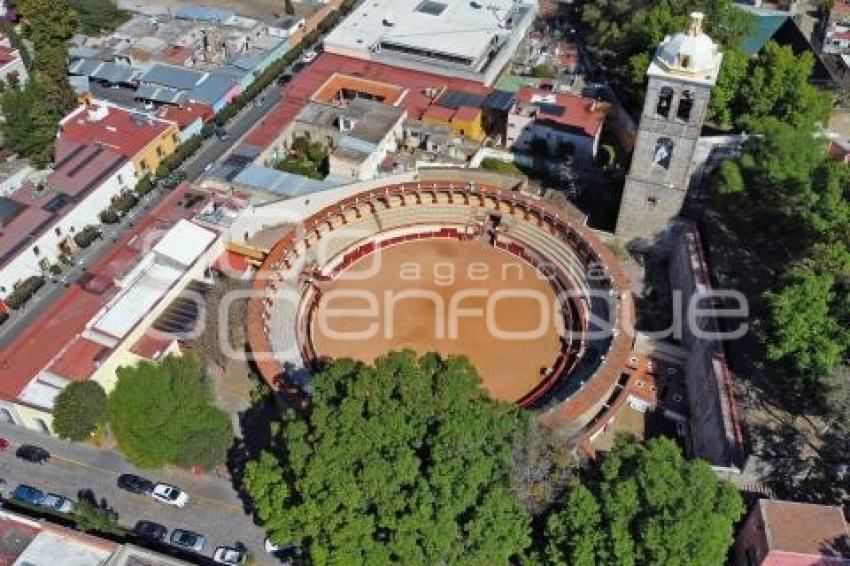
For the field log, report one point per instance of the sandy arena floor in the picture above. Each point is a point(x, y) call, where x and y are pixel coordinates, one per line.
point(442, 269)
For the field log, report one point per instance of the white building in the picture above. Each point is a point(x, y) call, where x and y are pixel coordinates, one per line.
point(567, 123)
point(38, 221)
point(11, 63)
point(468, 39)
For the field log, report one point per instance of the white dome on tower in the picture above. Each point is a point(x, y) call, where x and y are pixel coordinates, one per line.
point(690, 52)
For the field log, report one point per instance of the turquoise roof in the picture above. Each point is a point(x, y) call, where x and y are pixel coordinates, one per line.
point(765, 26)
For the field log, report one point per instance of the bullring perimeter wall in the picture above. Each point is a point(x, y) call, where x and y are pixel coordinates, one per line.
point(714, 429)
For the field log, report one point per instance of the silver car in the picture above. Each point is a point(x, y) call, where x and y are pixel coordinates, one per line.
point(58, 503)
point(188, 540)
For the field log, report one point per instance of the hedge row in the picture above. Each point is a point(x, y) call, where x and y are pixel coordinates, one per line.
point(24, 291)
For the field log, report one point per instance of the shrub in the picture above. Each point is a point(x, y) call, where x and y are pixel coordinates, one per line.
point(24, 291)
point(145, 185)
point(499, 166)
point(109, 216)
point(86, 236)
point(78, 409)
point(543, 71)
point(55, 269)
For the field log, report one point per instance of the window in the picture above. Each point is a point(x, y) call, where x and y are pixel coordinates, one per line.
point(43, 426)
point(663, 152)
point(685, 61)
point(686, 104)
point(58, 231)
point(144, 165)
point(36, 251)
point(665, 100)
point(651, 202)
point(120, 179)
point(175, 139)
point(159, 152)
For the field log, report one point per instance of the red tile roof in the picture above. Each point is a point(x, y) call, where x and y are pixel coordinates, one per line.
point(120, 130)
point(583, 114)
point(299, 91)
point(838, 151)
point(231, 264)
point(804, 528)
point(56, 329)
point(79, 360)
point(438, 114)
point(184, 116)
point(150, 345)
point(7, 55)
point(176, 54)
point(467, 113)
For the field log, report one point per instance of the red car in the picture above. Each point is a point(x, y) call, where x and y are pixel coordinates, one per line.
point(4, 444)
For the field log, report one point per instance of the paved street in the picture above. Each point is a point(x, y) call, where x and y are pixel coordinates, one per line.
point(19, 319)
point(214, 508)
point(214, 148)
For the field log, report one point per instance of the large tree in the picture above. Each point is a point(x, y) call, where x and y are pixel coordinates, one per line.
point(625, 33)
point(163, 413)
point(804, 330)
point(406, 461)
point(644, 504)
point(78, 409)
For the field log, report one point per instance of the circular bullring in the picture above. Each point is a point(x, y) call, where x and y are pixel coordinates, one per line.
point(437, 265)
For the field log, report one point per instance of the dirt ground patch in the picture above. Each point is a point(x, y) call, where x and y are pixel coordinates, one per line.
point(422, 318)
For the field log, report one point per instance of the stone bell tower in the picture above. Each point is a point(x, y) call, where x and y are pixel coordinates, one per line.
point(681, 76)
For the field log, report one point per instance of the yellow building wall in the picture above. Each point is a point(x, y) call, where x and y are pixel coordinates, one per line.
point(469, 128)
point(147, 160)
point(28, 416)
point(432, 120)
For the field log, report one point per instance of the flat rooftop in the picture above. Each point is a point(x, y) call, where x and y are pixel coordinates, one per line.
point(453, 32)
point(314, 79)
point(54, 337)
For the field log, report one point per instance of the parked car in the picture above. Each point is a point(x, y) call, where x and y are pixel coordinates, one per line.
point(284, 79)
point(230, 555)
point(287, 551)
point(135, 484)
point(170, 495)
point(28, 494)
point(150, 530)
point(58, 503)
point(4, 444)
point(309, 56)
point(34, 454)
point(188, 540)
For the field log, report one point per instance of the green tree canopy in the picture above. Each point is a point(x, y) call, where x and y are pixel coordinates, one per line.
point(405, 461)
point(78, 409)
point(625, 33)
point(47, 22)
point(30, 122)
point(98, 16)
point(162, 413)
point(804, 331)
point(644, 504)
